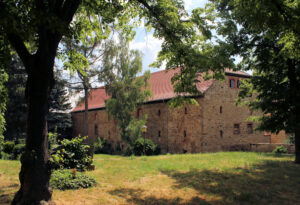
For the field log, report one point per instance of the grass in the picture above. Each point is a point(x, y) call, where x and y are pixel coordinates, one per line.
point(211, 178)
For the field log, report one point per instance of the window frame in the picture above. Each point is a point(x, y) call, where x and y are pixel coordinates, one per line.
point(251, 128)
point(232, 79)
point(237, 130)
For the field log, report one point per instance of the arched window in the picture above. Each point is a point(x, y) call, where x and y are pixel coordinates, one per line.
point(158, 113)
point(221, 109)
point(221, 133)
point(158, 133)
point(185, 110)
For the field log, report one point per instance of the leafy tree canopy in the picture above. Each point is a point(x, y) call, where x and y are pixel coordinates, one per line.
point(127, 91)
point(266, 35)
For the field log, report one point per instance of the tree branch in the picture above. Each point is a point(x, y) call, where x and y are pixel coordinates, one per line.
point(21, 49)
point(14, 38)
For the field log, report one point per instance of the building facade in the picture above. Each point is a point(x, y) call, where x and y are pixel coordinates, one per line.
point(215, 124)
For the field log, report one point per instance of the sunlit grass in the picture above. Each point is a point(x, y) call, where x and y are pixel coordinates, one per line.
point(210, 178)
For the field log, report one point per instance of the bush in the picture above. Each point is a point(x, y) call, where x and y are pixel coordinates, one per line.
point(291, 139)
point(5, 156)
point(17, 151)
point(8, 147)
point(71, 154)
point(1, 144)
point(280, 150)
point(134, 129)
point(70, 179)
point(101, 146)
point(52, 140)
point(138, 148)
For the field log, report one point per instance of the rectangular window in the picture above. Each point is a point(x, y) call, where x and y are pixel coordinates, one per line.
point(231, 83)
point(250, 128)
point(236, 129)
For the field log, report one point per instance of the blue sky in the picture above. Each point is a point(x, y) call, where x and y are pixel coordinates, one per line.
point(150, 46)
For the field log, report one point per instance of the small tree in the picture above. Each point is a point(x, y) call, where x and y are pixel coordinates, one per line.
point(121, 67)
point(59, 118)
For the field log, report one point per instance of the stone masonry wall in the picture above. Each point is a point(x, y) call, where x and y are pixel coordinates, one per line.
point(219, 116)
point(208, 127)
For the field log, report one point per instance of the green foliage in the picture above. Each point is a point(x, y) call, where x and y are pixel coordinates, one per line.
point(59, 119)
point(127, 91)
point(143, 147)
point(265, 34)
point(18, 151)
point(9, 150)
point(72, 154)
point(181, 100)
point(1, 143)
point(8, 147)
point(52, 140)
point(101, 146)
point(16, 105)
point(291, 138)
point(4, 61)
point(3, 99)
point(280, 150)
point(66, 179)
point(134, 129)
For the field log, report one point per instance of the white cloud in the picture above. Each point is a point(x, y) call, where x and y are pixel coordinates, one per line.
point(149, 47)
point(187, 4)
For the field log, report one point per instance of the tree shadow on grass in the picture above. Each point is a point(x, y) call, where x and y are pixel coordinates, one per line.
point(270, 182)
point(133, 196)
point(6, 194)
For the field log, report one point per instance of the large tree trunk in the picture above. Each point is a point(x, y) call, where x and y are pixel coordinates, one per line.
point(295, 99)
point(35, 170)
point(297, 144)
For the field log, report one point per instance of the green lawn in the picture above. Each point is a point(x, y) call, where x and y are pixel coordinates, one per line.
point(212, 178)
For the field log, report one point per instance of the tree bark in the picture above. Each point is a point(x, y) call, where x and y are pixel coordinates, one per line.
point(295, 99)
point(86, 111)
point(35, 170)
point(297, 144)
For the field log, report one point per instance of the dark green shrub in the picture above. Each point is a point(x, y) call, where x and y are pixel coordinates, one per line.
point(70, 179)
point(17, 151)
point(71, 154)
point(1, 144)
point(52, 140)
point(101, 146)
point(140, 146)
point(280, 150)
point(5, 156)
point(291, 138)
point(8, 147)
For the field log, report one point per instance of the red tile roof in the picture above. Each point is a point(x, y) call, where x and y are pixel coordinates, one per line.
point(160, 85)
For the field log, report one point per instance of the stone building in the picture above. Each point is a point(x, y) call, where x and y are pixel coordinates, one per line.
point(215, 124)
